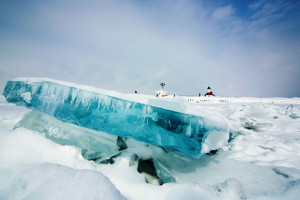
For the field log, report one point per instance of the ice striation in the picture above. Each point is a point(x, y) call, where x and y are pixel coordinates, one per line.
point(188, 134)
point(94, 144)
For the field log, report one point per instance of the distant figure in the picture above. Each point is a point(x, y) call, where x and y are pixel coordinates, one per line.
point(209, 92)
point(174, 95)
point(199, 94)
point(162, 92)
point(135, 92)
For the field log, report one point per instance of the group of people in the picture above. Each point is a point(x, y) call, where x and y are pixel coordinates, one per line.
point(208, 93)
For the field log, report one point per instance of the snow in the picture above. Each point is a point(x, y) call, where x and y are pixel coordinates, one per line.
point(139, 98)
point(49, 181)
point(216, 99)
point(27, 97)
point(214, 140)
point(262, 162)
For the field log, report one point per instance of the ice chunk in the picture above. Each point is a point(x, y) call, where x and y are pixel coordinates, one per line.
point(214, 140)
point(27, 97)
point(255, 124)
point(182, 132)
point(94, 144)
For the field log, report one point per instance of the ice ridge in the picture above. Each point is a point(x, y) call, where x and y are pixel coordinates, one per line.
point(189, 134)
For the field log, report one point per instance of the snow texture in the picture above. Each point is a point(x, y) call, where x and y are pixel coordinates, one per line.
point(49, 181)
point(170, 129)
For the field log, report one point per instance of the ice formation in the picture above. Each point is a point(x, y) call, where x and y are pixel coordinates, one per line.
point(94, 144)
point(182, 132)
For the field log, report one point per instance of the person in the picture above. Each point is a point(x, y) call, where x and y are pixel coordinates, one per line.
point(135, 92)
point(199, 94)
point(174, 95)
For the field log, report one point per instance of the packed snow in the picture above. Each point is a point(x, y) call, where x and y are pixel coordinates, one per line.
point(48, 159)
point(52, 181)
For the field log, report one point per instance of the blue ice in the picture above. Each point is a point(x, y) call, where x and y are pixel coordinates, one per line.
point(173, 130)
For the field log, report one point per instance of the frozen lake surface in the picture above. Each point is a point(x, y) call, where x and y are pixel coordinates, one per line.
point(43, 158)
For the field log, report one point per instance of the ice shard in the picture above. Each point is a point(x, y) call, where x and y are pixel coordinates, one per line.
point(189, 134)
point(94, 144)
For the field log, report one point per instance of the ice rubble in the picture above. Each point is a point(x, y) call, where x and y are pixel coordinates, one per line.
point(189, 134)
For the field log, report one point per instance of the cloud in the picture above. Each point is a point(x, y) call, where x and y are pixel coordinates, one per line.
point(223, 12)
point(136, 45)
point(265, 12)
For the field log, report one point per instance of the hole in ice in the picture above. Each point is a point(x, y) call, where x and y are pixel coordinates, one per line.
point(147, 168)
point(212, 152)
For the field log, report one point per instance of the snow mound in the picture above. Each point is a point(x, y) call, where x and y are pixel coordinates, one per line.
point(49, 181)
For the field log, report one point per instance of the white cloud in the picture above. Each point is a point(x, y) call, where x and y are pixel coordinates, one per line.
point(265, 12)
point(127, 46)
point(223, 12)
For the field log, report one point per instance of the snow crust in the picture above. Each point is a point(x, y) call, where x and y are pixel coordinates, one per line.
point(140, 98)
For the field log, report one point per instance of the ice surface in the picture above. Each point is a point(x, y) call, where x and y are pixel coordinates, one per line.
point(94, 144)
point(182, 132)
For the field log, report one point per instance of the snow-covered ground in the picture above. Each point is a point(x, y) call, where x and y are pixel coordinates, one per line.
point(262, 162)
point(217, 99)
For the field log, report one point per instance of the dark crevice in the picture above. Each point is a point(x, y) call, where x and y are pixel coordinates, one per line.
point(147, 168)
point(121, 143)
point(280, 173)
point(212, 152)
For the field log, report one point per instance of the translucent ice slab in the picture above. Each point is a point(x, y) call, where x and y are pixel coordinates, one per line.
point(189, 134)
point(94, 144)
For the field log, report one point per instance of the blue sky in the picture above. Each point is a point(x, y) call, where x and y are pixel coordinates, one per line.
point(239, 48)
